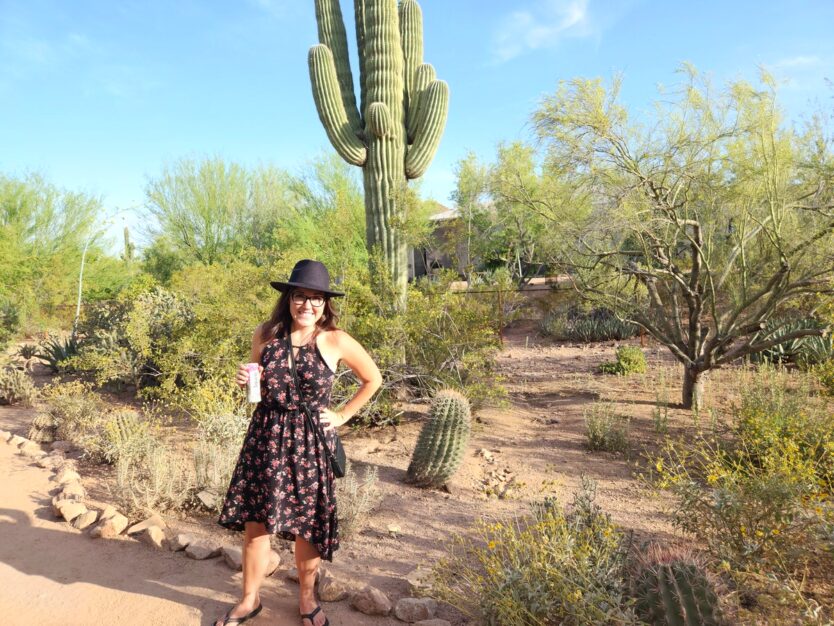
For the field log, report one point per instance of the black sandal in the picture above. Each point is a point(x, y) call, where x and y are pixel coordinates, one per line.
point(312, 614)
point(227, 619)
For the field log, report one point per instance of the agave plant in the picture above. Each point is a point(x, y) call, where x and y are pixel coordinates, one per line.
point(803, 350)
point(54, 351)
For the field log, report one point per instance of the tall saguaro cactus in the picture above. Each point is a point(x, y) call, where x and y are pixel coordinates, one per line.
point(394, 132)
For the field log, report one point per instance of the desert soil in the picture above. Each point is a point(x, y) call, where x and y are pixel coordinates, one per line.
point(53, 574)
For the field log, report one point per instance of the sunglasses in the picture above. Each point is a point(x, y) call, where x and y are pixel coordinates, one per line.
point(299, 299)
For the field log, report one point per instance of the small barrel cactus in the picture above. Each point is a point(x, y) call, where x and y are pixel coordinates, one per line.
point(442, 442)
point(43, 428)
point(678, 592)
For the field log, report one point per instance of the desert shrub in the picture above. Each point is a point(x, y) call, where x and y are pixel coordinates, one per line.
point(630, 360)
point(153, 477)
point(9, 321)
point(77, 413)
point(218, 408)
point(214, 465)
point(605, 429)
point(442, 339)
point(16, 387)
point(357, 498)
point(825, 374)
point(575, 323)
point(752, 496)
point(549, 567)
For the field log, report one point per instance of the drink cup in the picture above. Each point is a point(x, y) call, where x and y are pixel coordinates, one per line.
point(253, 386)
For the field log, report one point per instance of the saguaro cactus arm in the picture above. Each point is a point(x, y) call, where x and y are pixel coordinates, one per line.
point(330, 105)
point(379, 120)
point(434, 108)
point(332, 34)
point(411, 33)
point(423, 77)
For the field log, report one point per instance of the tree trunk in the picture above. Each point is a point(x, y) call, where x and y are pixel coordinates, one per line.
point(693, 388)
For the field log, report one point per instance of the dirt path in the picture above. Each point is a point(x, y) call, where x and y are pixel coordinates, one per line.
point(51, 574)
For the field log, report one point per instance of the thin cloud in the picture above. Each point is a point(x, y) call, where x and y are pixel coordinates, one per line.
point(797, 62)
point(800, 72)
point(542, 26)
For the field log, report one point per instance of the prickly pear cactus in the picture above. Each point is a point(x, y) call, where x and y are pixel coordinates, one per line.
point(442, 442)
point(676, 593)
point(395, 130)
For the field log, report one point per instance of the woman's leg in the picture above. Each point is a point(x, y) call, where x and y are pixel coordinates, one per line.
point(307, 561)
point(255, 561)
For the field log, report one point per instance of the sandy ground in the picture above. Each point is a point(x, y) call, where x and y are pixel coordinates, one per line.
point(53, 574)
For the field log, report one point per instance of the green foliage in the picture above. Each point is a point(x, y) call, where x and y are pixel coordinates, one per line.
point(806, 351)
point(678, 592)
point(576, 324)
point(825, 374)
point(605, 429)
point(443, 441)
point(210, 209)
point(153, 478)
point(443, 339)
point(551, 567)
point(56, 352)
point(751, 498)
point(124, 434)
point(77, 413)
point(9, 321)
point(16, 387)
point(357, 499)
point(219, 409)
point(630, 360)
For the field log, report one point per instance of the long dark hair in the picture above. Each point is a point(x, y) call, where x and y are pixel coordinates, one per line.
point(279, 323)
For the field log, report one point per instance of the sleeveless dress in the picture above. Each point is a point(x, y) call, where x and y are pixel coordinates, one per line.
point(283, 478)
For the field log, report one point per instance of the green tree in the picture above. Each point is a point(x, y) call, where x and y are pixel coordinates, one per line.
point(703, 222)
point(207, 209)
point(43, 230)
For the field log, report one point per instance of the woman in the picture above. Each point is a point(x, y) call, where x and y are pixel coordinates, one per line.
point(283, 482)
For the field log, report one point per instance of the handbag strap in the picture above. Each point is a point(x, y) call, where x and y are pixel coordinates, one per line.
point(315, 425)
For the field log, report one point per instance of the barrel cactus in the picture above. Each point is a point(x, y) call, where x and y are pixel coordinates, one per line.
point(442, 442)
point(394, 132)
point(677, 592)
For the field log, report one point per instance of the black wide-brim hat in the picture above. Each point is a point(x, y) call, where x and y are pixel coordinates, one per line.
point(308, 274)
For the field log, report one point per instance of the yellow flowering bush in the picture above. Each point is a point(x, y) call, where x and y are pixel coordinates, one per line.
point(549, 567)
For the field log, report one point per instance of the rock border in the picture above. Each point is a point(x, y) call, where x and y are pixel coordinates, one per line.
point(69, 504)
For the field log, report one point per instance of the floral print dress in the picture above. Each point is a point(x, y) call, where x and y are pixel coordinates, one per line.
point(283, 478)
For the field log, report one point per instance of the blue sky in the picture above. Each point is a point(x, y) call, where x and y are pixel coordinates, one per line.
point(98, 96)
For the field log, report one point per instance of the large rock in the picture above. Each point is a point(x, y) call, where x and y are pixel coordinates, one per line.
point(111, 527)
point(371, 601)
point(233, 556)
point(84, 520)
point(71, 510)
point(209, 499)
point(153, 520)
point(49, 462)
point(5, 435)
point(66, 475)
point(331, 589)
point(201, 550)
point(73, 490)
point(31, 449)
point(16, 440)
point(181, 541)
point(58, 502)
point(154, 536)
point(415, 609)
point(107, 512)
point(63, 446)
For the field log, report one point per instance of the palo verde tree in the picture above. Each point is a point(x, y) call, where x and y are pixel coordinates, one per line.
point(394, 132)
point(699, 225)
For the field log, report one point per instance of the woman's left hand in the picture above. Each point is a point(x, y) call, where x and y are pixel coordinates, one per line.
point(330, 420)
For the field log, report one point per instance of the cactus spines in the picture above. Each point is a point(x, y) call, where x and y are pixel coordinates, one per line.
point(442, 442)
point(676, 592)
point(394, 133)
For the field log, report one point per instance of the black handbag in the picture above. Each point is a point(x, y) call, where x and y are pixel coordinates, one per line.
point(337, 457)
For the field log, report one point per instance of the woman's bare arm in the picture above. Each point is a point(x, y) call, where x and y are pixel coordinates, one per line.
point(360, 362)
